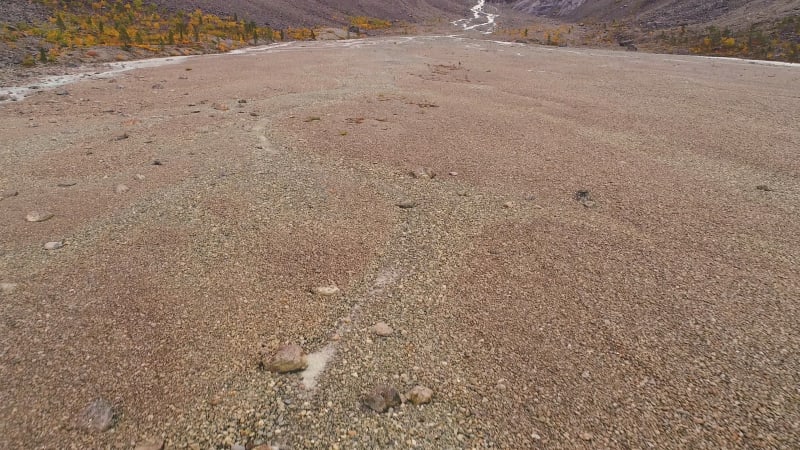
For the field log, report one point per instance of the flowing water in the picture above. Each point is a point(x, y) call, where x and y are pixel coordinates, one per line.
point(481, 19)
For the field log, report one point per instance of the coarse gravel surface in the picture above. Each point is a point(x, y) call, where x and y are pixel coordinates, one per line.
point(202, 205)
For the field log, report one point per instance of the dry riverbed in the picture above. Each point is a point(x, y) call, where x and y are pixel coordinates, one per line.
point(570, 248)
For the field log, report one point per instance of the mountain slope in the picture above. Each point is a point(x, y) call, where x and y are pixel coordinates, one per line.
point(663, 12)
point(314, 12)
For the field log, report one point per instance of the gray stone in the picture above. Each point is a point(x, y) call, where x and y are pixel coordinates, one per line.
point(407, 204)
point(288, 358)
point(97, 416)
point(382, 329)
point(54, 245)
point(38, 216)
point(423, 173)
point(8, 194)
point(326, 291)
point(150, 444)
point(420, 395)
point(382, 398)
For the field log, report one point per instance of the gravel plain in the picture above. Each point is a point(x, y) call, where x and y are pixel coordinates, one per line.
point(200, 206)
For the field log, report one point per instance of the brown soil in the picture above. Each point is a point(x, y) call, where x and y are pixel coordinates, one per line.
point(661, 311)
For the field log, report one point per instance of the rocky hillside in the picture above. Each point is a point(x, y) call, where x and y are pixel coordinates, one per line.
point(663, 13)
point(285, 13)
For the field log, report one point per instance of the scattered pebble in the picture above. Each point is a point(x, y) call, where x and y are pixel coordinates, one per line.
point(382, 398)
point(508, 205)
point(157, 162)
point(158, 86)
point(121, 137)
point(38, 216)
point(420, 395)
point(8, 288)
point(54, 245)
point(220, 107)
point(67, 183)
point(382, 329)
point(97, 416)
point(586, 436)
point(138, 177)
point(288, 358)
point(326, 291)
point(453, 174)
point(121, 189)
point(764, 187)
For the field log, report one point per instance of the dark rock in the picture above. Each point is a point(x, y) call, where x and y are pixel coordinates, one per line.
point(407, 204)
point(584, 198)
point(382, 398)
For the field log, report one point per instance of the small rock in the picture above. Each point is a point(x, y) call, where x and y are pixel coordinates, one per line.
point(584, 198)
point(420, 395)
point(407, 204)
point(326, 291)
point(121, 137)
point(8, 194)
point(382, 329)
point(220, 107)
point(508, 205)
point(764, 187)
point(97, 416)
point(8, 288)
point(382, 398)
point(288, 358)
point(425, 173)
point(121, 189)
point(54, 245)
point(586, 436)
point(157, 86)
point(150, 444)
point(453, 174)
point(242, 101)
point(157, 162)
point(138, 177)
point(38, 216)
point(67, 183)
